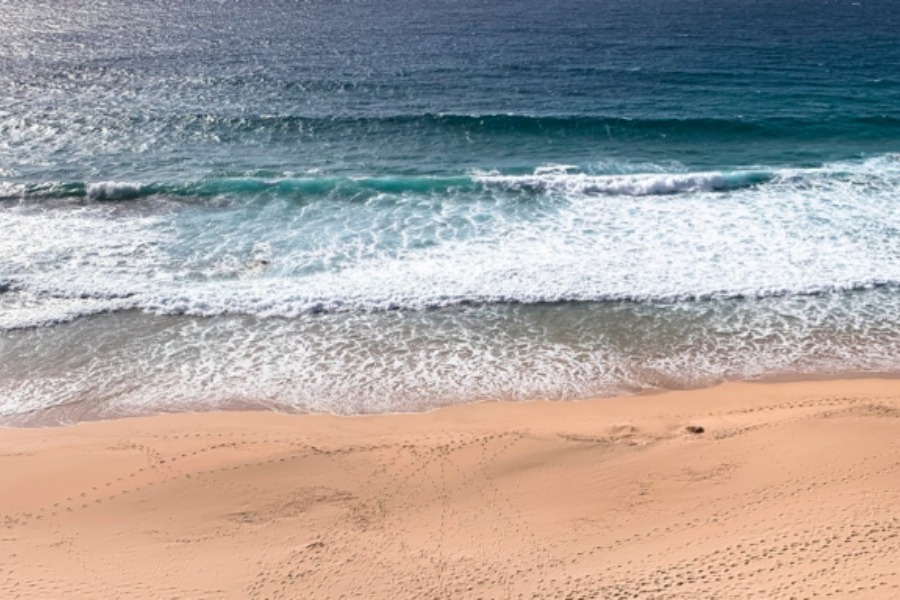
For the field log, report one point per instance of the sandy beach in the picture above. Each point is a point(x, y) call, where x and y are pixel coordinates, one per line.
point(790, 490)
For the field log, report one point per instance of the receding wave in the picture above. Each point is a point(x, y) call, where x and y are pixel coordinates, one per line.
point(58, 307)
point(298, 305)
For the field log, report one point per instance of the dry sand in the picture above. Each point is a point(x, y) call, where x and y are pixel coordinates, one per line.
point(793, 490)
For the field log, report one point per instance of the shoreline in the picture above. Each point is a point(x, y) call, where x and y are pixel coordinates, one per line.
point(239, 407)
point(790, 489)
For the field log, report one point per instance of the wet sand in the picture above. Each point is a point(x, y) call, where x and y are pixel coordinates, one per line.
point(790, 490)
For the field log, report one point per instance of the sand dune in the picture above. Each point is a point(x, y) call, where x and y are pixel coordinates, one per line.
point(791, 490)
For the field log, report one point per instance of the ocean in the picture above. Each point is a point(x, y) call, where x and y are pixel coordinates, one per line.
point(372, 206)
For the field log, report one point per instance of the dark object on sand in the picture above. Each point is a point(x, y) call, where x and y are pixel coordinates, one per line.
point(695, 429)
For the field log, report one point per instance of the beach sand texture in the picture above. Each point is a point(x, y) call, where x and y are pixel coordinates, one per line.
point(791, 490)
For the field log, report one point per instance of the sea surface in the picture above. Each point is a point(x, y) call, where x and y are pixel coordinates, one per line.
point(378, 206)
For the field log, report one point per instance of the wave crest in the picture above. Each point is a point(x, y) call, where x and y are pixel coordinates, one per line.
point(652, 184)
point(605, 179)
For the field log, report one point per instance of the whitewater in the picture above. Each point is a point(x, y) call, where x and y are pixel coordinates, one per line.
point(330, 209)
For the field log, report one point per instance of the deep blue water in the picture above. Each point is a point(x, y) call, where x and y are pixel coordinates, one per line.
point(375, 206)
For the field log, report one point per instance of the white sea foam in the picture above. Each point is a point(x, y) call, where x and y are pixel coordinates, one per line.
point(803, 231)
point(113, 190)
point(555, 169)
point(11, 190)
point(19, 310)
point(647, 184)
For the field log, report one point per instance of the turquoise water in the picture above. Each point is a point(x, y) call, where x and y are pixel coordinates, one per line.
point(369, 207)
